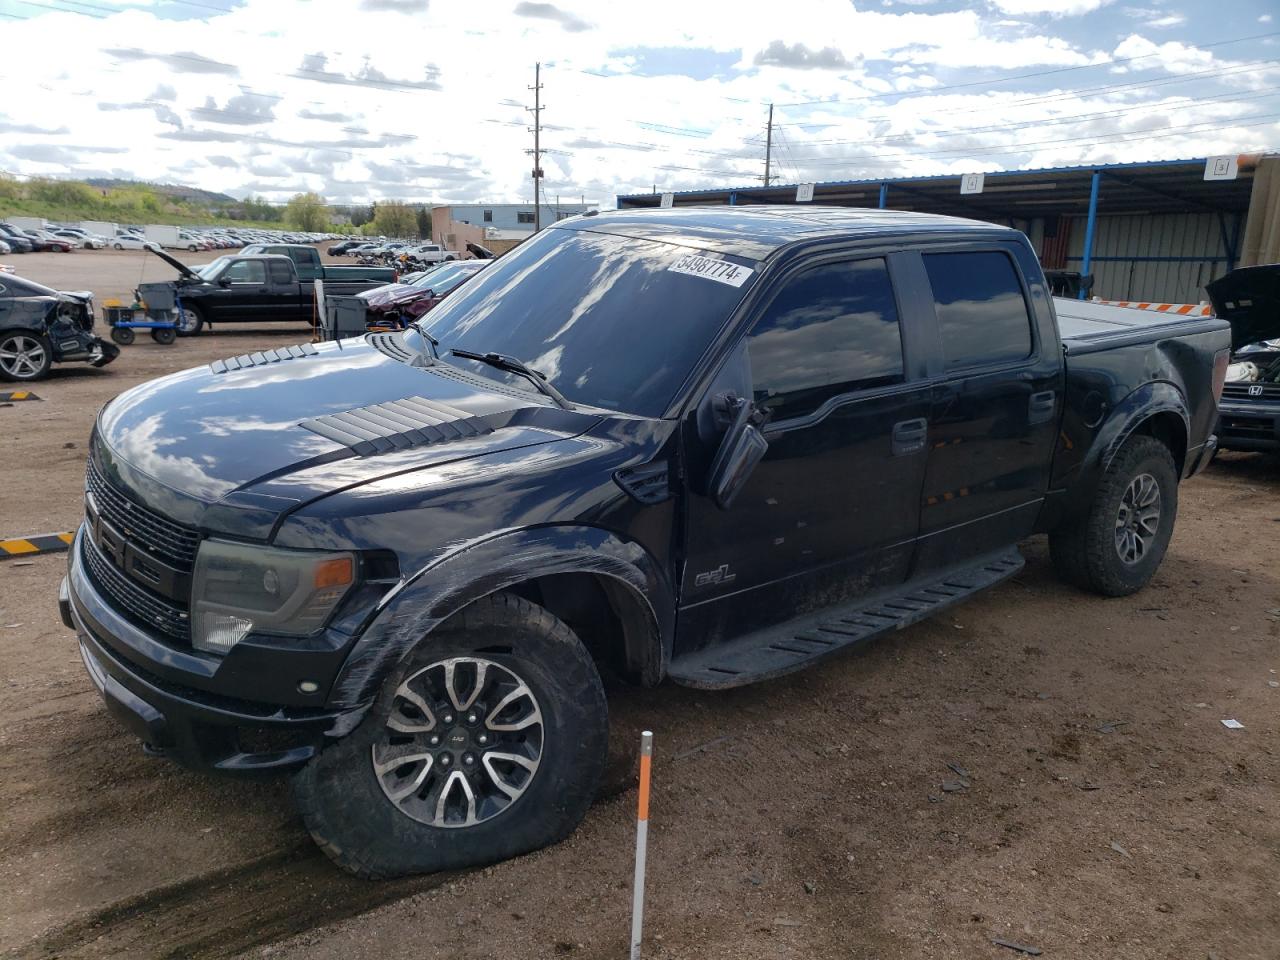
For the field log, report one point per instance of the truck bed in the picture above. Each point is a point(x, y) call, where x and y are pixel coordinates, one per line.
point(1087, 326)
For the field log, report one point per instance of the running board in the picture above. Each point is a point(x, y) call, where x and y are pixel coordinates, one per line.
point(798, 643)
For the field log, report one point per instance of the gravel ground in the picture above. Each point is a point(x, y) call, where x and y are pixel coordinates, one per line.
point(1103, 809)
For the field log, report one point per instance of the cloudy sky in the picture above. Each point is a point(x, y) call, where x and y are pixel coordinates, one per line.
point(425, 99)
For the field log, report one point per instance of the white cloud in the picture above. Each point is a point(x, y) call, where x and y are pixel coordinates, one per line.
point(425, 102)
point(1056, 8)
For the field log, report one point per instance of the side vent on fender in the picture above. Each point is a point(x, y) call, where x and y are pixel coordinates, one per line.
point(648, 483)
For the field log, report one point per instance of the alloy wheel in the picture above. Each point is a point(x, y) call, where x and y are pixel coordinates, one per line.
point(461, 744)
point(21, 356)
point(1138, 519)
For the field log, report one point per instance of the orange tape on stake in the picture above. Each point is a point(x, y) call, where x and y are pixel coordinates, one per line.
point(645, 761)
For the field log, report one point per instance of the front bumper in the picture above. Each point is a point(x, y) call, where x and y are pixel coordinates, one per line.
point(198, 729)
point(1249, 426)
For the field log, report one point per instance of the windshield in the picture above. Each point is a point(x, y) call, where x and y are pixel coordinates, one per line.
point(445, 278)
point(210, 270)
point(611, 321)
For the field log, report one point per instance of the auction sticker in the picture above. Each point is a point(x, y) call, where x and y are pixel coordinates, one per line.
point(721, 271)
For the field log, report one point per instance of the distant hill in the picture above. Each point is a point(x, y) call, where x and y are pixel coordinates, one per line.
point(175, 190)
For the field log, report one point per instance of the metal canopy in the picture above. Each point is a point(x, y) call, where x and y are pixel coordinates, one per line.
point(1160, 187)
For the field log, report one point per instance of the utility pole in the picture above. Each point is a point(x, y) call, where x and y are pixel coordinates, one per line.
point(536, 110)
point(768, 145)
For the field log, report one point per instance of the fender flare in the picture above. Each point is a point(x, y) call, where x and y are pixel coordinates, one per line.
point(477, 569)
point(1147, 401)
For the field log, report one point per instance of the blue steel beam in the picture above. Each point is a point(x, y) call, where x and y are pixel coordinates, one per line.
point(884, 196)
point(1090, 232)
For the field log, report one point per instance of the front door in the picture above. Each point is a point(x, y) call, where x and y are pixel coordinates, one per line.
point(995, 411)
point(239, 293)
point(831, 511)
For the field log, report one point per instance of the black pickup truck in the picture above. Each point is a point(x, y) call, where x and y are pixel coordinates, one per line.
point(706, 446)
point(259, 287)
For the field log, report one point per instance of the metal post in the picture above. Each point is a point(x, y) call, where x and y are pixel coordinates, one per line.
point(642, 843)
point(884, 196)
point(768, 146)
point(536, 110)
point(1089, 232)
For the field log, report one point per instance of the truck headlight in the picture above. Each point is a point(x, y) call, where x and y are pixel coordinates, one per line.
point(239, 587)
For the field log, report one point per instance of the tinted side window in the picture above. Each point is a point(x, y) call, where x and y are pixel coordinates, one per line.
point(247, 271)
point(982, 314)
point(831, 330)
point(280, 272)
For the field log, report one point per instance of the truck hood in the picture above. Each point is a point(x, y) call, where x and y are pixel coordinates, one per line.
point(236, 444)
point(1249, 299)
point(183, 270)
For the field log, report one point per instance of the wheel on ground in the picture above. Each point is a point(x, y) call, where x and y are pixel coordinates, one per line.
point(164, 335)
point(486, 742)
point(190, 321)
point(117, 246)
point(1116, 547)
point(122, 335)
point(24, 355)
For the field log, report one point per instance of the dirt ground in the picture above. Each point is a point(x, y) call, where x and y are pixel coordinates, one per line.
point(1100, 809)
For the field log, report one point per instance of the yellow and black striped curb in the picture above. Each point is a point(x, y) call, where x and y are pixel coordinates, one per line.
point(40, 543)
point(13, 396)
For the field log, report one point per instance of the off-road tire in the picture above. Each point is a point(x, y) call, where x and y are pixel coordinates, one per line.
point(1083, 548)
point(363, 832)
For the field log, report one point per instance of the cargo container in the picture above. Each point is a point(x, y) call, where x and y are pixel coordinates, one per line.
point(29, 223)
point(100, 227)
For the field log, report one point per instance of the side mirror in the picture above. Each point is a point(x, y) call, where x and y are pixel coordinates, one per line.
point(224, 282)
point(742, 448)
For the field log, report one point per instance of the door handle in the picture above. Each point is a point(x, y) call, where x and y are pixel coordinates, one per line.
point(1041, 406)
point(909, 436)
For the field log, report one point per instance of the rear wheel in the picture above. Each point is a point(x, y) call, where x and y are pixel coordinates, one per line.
point(24, 355)
point(486, 743)
point(1116, 547)
point(122, 335)
point(164, 335)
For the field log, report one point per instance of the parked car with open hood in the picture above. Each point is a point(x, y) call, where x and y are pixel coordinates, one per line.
point(401, 303)
point(40, 327)
point(1250, 409)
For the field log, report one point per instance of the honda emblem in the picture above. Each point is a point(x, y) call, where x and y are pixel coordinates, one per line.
point(1255, 390)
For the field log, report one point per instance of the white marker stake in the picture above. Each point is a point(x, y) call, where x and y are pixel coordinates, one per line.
point(642, 843)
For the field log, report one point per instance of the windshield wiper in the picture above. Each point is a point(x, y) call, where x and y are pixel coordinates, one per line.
point(512, 365)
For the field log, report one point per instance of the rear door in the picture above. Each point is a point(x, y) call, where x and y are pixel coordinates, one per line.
point(995, 407)
point(831, 512)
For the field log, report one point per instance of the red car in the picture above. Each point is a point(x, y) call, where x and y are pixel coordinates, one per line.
point(44, 240)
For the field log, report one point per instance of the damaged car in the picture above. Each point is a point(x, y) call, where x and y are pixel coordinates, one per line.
point(40, 327)
point(1249, 414)
point(402, 303)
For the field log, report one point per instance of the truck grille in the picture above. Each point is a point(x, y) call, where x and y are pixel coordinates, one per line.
point(133, 602)
point(166, 540)
point(1240, 391)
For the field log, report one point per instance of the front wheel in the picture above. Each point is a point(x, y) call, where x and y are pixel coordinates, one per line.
point(163, 335)
point(117, 246)
point(122, 335)
point(487, 742)
point(1116, 547)
point(24, 356)
point(190, 321)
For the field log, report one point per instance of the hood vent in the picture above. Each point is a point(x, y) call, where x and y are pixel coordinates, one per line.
point(261, 359)
point(392, 345)
point(398, 425)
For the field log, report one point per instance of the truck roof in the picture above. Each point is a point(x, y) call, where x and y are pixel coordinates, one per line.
point(758, 231)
